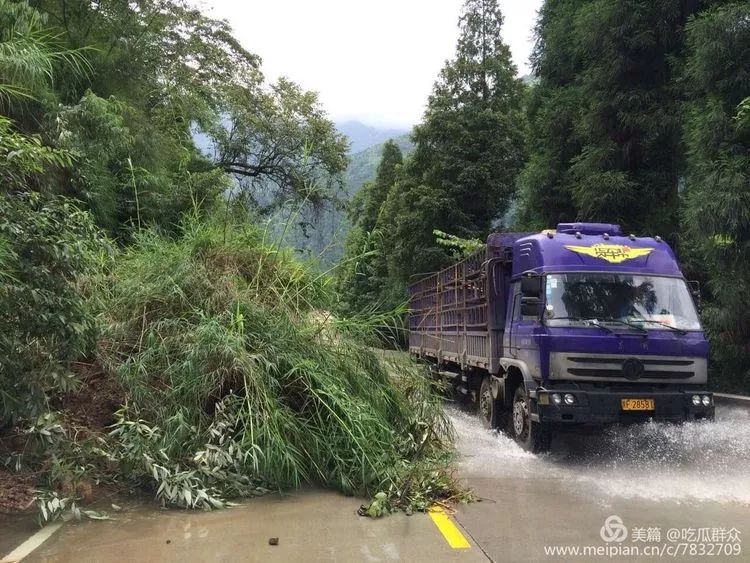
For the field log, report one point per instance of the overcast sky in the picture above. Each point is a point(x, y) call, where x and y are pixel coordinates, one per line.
point(374, 61)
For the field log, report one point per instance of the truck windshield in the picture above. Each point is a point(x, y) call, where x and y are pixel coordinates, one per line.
point(648, 302)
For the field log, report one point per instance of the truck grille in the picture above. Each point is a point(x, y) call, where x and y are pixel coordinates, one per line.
point(618, 373)
point(610, 367)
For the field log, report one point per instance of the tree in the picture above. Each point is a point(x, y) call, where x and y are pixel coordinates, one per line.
point(31, 56)
point(363, 276)
point(628, 168)
point(279, 144)
point(470, 143)
point(606, 117)
point(162, 73)
point(368, 201)
point(469, 148)
point(164, 53)
point(47, 246)
point(130, 173)
point(717, 194)
point(412, 213)
point(25, 161)
point(554, 107)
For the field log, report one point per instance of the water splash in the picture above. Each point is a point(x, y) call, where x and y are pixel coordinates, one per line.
point(691, 462)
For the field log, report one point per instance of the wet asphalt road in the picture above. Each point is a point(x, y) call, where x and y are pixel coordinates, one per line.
point(653, 478)
point(660, 477)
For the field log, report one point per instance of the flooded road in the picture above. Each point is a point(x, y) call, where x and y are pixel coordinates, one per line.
point(671, 479)
point(661, 478)
point(702, 461)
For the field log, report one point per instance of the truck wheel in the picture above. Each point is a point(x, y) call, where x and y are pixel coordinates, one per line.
point(488, 407)
point(531, 436)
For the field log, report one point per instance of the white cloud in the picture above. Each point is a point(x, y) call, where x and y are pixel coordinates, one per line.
point(372, 61)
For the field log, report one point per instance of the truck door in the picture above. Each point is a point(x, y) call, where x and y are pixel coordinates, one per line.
point(498, 299)
point(513, 318)
point(522, 344)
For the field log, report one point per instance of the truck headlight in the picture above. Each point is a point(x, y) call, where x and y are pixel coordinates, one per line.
point(706, 401)
point(569, 399)
point(556, 398)
point(697, 400)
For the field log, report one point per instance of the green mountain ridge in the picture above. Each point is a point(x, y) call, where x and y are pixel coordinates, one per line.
point(326, 229)
point(364, 164)
point(362, 136)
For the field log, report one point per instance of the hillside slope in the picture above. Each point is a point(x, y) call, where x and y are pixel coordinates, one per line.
point(364, 164)
point(326, 229)
point(363, 136)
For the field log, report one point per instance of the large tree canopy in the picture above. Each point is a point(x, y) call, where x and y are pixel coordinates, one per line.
point(605, 113)
point(717, 195)
point(468, 149)
point(469, 144)
point(127, 86)
point(279, 143)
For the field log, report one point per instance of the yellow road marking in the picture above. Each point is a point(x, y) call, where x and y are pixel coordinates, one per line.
point(450, 532)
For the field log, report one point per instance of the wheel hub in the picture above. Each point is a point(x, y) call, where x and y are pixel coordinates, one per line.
point(484, 405)
point(519, 417)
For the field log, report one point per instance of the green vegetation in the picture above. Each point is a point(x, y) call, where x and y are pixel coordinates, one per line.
point(141, 150)
point(716, 209)
point(637, 115)
point(461, 175)
point(363, 276)
point(46, 246)
point(363, 166)
point(125, 88)
point(153, 335)
point(607, 98)
point(468, 149)
point(237, 380)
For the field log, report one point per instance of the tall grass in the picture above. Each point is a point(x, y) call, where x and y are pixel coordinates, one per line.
point(239, 380)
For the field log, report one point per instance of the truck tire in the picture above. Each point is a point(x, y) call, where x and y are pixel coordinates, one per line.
point(531, 436)
point(488, 406)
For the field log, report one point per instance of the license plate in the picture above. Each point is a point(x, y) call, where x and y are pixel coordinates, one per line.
point(637, 404)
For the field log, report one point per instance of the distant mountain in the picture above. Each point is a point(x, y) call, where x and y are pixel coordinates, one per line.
point(364, 165)
point(363, 136)
point(326, 228)
point(321, 233)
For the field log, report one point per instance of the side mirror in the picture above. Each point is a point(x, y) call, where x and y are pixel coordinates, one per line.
point(695, 290)
point(531, 296)
point(531, 307)
point(531, 287)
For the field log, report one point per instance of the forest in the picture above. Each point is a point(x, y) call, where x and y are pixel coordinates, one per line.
point(638, 114)
point(157, 331)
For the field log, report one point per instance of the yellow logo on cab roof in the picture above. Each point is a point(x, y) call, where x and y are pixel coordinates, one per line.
point(614, 253)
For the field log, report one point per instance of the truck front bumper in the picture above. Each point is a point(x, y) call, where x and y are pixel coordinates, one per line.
point(605, 407)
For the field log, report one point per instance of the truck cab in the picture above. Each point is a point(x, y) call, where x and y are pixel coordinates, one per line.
point(576, 326)
point(604, 329)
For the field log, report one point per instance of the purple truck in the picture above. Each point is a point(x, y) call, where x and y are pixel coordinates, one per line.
point(574, 327)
